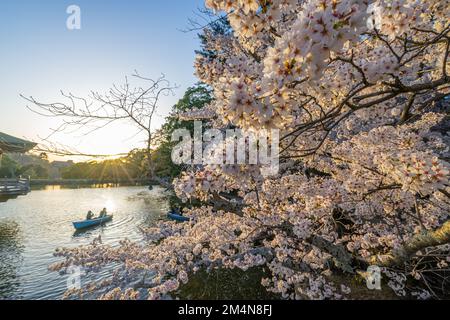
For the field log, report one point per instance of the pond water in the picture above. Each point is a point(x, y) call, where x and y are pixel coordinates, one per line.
point(33, 226)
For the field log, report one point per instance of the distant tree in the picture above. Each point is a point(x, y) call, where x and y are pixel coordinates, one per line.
point(34, 171)
point(8, 167)
point(11, 168)
point(196, 97)
point(131, 167)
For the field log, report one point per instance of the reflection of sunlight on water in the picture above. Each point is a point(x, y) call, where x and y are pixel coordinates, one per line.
point(110, 205)
point(49, 188)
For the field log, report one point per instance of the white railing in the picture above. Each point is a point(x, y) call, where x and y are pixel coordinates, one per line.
point(14, 186)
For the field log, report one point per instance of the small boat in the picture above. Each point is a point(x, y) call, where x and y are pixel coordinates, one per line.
point(91, 223)
point(177, 217)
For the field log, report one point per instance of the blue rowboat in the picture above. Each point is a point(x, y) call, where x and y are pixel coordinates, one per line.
point(177, 217)
point(91, 223)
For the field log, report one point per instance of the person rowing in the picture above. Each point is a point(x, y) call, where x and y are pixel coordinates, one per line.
point(176, 210)
point(103, 213)
point(89, 215)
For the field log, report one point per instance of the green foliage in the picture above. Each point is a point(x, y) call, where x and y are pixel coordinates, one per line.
point(8, 167)
point(195, 97)
point(35, 171)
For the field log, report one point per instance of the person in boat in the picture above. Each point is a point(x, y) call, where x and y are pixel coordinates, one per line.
point(103, 213)
point(176, 210)
point(89, 215)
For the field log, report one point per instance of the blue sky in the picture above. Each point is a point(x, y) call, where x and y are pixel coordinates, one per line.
point(39, 56)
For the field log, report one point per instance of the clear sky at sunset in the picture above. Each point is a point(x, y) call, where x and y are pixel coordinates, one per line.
point(39, 56)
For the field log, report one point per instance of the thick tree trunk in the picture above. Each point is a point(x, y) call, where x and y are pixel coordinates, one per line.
point(419, 242)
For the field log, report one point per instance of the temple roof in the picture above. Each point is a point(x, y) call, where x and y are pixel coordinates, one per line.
point(12, 144)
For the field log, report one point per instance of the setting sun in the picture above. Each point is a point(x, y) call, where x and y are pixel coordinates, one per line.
point(110, 205)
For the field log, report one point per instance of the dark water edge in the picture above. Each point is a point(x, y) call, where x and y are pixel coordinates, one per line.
point(226, 284)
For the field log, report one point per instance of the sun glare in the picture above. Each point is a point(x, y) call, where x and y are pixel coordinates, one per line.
point(110, 205)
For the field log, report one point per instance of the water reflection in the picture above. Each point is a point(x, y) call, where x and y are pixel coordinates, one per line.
point(33, 226)
point(4, 198)
point(10, 258)
point(84, 186)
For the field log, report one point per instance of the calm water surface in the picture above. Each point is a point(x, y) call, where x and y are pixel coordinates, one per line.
point(33, 226)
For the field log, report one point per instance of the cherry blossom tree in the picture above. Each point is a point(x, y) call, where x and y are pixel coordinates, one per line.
point(359, 91)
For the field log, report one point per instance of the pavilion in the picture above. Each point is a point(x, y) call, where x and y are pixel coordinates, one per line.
point(12, 144)
point(13, 187)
